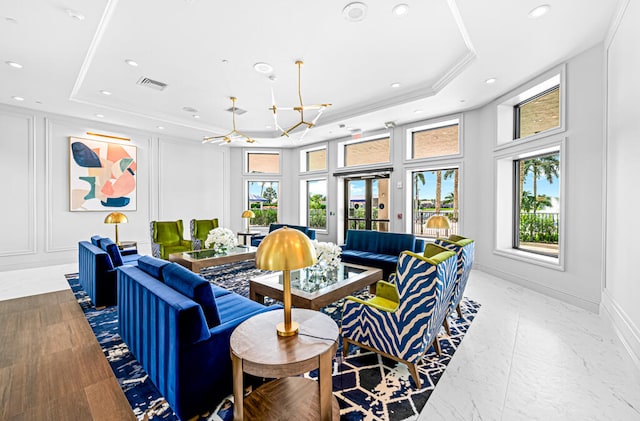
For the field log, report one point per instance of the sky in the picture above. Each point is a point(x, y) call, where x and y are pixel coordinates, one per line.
point(255, 187)
point(542, 186)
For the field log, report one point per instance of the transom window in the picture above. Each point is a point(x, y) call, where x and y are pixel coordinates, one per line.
point(437, 140)
point(538, 113)
point(367, 152)
point(313, 160)
point(263, 163)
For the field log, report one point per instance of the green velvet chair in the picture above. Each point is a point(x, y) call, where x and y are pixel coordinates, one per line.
point(199, 229)
point(167, 238)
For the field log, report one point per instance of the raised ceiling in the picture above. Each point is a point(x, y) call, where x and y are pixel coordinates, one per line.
point(440, 52)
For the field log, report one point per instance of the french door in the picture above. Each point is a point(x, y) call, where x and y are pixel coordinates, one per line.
point(367, 203)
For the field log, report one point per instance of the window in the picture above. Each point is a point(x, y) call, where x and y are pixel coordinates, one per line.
point(435, 140)
point(367, 152)
point(313, 159)
point(317, 204)
point(263, 163)
point(537, 114)
point(435, 192)
point(263, 201)
point(537, 204)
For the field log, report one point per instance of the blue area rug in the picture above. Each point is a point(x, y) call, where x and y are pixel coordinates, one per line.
point(367, 386)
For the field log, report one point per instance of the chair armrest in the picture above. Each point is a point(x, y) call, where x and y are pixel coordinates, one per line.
point(378, 303)
point(392, 278)
point(186, 243)
point(387, 291)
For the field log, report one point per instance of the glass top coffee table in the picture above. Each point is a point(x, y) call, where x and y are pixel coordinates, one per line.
point(198, 259)
point(308, 290)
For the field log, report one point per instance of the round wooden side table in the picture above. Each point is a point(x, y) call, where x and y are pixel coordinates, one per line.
point(256, 349)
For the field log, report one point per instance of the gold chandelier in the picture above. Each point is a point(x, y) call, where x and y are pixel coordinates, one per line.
point(234, 133)
point(300, 109)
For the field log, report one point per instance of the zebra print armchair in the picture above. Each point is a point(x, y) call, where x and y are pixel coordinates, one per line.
point(404, 318)
point(465, 250)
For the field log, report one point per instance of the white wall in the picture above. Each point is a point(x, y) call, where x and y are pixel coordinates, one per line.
point(177, 178)
point(621, 294)
point(580, 282)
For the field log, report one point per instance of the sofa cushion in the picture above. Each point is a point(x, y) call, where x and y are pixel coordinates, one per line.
point(234, 306)
point(95, 240)
point(152, 266)
point(112, 250)
point(362, 240)
point(194, 287)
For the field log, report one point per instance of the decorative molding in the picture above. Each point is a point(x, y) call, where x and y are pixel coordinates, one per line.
point(543, 289)
point(624, 327)
point(31, 169)
point(615, 22)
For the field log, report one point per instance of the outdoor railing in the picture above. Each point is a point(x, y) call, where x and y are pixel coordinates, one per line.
point(539, 227)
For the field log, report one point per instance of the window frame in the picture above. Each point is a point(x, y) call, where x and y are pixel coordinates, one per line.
point(505, 202)
point(245, 162)
point(304, 203)
point(505, 119)
point(435, 123)
point(303, 159)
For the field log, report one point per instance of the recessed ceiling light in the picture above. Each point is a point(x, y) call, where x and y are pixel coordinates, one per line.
point(196, 116)
point(14, 64)
point(395, 85)
point(131, 63)
point(462, 101)
point(10, 19)
point(401, 9)
point(263, 68)
point(417, 111)
point(75, 14)
point(355, 12)
point(160, 127)
point(107, 93)
point(490, 80)
point(225, 61)
point(38, 102)
point(18, 98)
point(539, 11)
point(189, 109)
point(100, 115)
point(267, 127)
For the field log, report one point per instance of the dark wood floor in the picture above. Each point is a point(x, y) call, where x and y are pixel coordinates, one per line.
point(51, 366)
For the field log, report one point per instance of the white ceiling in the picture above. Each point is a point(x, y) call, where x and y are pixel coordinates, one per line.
point(441, 53)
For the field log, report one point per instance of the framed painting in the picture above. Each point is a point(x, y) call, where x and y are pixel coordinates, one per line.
point(102, 176)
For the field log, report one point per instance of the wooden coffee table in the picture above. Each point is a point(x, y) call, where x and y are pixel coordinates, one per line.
point(350, 278)
point(196, 260)
point(257, 349)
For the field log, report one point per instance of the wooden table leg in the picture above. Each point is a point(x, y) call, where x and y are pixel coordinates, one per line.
point(324, 380)
point(238, 388)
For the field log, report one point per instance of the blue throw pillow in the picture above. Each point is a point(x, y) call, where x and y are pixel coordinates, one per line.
point(193, 286)
point(112, 250)
point(152, 266)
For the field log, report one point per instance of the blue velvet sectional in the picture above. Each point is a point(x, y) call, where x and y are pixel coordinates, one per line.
point(257, 239)
point(378, 249)
point(97, 263)
point(179, 326)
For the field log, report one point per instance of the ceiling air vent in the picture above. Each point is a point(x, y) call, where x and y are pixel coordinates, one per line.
point(239, 111)
point(150, 83)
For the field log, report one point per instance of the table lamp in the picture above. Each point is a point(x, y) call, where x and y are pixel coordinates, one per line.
point(116, 218)
point(286, 249)
point(438, 222)
point(248, 214)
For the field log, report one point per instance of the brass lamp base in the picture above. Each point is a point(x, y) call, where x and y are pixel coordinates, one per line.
point(282, 331)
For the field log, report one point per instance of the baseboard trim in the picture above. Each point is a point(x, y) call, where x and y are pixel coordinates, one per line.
point(625, 329)
point(527, 283)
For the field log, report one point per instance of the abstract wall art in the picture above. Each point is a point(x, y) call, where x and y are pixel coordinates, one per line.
point(102, 176)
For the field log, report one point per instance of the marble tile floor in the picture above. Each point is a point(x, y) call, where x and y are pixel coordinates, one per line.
point(526, 357)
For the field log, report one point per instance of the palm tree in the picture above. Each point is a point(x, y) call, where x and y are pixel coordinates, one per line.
point(447, 175)
point(438, 191)
point(547, 166)
point(418, 176)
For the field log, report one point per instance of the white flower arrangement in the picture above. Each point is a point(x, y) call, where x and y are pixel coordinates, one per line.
point(221, 238)
point(327, 253)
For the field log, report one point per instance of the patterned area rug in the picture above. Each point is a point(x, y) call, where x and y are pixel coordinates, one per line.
point(367, 386)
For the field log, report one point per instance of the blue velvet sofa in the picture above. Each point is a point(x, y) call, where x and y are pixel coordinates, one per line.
point(257, 239)
point(97, 263)
point(378, 249)
point(178, 326)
